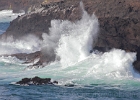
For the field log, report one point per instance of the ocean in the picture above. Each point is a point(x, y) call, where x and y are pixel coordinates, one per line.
point(81, 75)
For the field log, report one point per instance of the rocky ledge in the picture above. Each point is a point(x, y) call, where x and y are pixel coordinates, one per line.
point(119, 22)
point(36, 81)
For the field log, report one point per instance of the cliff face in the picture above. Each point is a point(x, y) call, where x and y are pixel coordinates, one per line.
point(119, 21)
point(17, 5)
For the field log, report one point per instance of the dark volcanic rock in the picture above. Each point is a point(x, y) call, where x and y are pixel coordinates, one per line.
point(119, 33)
point(36, 81)
point(119, 21)
point(17, 5)
point(137, 65)
point(102, 49)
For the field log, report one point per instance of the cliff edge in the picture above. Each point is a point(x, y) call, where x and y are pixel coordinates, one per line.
point(17, 5)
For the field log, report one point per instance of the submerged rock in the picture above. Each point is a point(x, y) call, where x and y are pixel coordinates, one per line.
point(69, 85)
point(36, 81)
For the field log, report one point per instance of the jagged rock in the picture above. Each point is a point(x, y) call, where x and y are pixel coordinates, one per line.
point(36, 81)
point(50, 3)
point(28, 58)
point(17, 5)
point(102, 49)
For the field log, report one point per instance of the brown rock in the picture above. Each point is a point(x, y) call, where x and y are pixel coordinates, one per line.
point(137, 65)
point(17, 5)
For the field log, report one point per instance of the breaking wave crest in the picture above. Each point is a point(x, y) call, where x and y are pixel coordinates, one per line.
point(78, 40)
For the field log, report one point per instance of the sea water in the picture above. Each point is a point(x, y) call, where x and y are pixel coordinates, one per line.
point(81, 75)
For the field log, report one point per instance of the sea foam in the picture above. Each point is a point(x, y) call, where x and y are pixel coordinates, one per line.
point(78, 38)
point(27, 44)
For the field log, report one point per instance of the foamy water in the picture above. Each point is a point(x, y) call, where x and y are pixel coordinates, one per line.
point(76, 43)
point(27, 44)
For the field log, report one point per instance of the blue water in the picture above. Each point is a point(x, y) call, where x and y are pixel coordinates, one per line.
point(3, 27)
point(50, 92)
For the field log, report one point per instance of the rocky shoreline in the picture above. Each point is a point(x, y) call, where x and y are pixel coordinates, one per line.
point(119, 24)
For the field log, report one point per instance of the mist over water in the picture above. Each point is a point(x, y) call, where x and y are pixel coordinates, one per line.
point(27, 44)
point(76, 43)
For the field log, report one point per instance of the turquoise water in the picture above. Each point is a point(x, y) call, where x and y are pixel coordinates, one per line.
point(85, 87)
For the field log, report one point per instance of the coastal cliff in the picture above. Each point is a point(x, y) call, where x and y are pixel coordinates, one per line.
point(119, 22)
point(18, 5)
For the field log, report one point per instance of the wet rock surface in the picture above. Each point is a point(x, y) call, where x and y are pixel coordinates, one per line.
point(36, 81)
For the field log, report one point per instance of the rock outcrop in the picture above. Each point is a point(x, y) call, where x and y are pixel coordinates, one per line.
point(36, 81)
point(17, 5)
point(119, 22)
point(35, 60)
